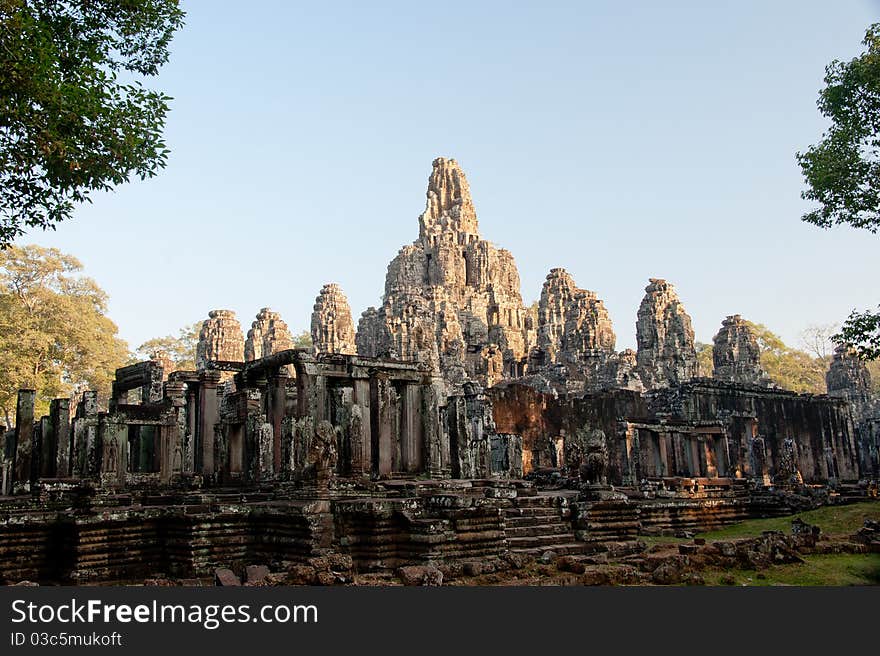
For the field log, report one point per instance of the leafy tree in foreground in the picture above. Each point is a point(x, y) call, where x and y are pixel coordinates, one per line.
point(842, 171)
point(54, 335)
point(181, 349)
point(74, 117)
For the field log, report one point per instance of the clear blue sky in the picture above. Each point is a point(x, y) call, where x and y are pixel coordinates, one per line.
point(620, 140)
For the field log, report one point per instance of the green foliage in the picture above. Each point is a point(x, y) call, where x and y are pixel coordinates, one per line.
point(303, 340)
point(181, 349)
point(874, 370)
point(790, 368)
point(68, 124)
point(842, 171)
point(704, 359)
point(54, 335)
point(862, 331)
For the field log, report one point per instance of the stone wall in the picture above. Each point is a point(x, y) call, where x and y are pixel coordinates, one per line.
point(701, 428)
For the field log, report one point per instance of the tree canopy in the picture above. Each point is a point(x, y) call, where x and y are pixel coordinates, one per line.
point(54, 335)
point(74, 114)
point(303, 340)
point(842, 171)
point(790, 368)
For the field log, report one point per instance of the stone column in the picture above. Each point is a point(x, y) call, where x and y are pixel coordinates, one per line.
point(435, 433)
point(208, 414)
point(361, 435)
point(382, 393)
point(175, 432)
point(191, 431)
point(44, 445)
point(113, 437)
point(411, 430)
point(59, 414)
point(662, 439)
point(25, 466)
point(276, 397)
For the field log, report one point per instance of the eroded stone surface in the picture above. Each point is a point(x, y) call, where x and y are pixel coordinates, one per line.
point(220, 339)
point(332, 325)
point(848, 377)
point(452, 299)
point(575, 337)
point(736, 354)
point(665, 338)
point(268, 334)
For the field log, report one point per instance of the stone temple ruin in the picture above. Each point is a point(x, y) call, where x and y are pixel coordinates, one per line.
point(452, 426)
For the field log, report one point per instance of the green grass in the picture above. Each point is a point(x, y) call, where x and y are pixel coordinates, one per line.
point(828, 570)
point(833, 520)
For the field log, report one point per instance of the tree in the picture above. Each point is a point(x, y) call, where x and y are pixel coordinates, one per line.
point(181, 349)
point(704, 359)
point(790, 368)
point(54, 334)
point(69, 125)
point(818, 339)
point(862, 330)
point(842, 171)
point(303, 340)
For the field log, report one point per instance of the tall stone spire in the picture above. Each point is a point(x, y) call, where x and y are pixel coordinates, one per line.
point(736, 355)
point(848, 377)
point(574, 330)
point(332, 325)
point(449, 207)
point(268, 334)
point(452, 300)
point(666, 354)
point(220, 339)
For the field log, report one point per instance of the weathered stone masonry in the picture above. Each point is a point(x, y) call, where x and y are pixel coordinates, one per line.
point(407, 440)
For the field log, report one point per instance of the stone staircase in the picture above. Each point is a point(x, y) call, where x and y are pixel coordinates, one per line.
point(535, 524)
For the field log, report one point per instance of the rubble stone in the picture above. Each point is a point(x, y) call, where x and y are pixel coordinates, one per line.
point(420, 575)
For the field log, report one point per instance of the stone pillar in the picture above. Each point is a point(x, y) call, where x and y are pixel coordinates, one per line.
point(631, 440)
point(276, 398)
point(175, 433)
point(44, 445)
point(208, 415)
point(25, 466)
point(59, 415)
point(435, 433)
point(7, 456)
point(113, 437)
point(662, 439)
point(384, 412)
point(361, 435)
point(84, 449)
point(411, 430)
point(192, 428)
